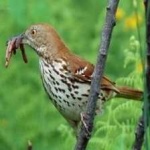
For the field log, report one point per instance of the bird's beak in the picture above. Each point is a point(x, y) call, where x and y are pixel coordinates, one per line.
point(23, 38)
point(17, 40)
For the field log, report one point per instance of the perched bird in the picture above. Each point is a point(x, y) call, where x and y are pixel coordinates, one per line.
point(66, 77)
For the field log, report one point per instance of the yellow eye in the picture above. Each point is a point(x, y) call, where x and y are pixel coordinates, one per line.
point(33, 32)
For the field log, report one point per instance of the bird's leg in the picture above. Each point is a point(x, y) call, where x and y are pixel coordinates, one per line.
point(83, 118)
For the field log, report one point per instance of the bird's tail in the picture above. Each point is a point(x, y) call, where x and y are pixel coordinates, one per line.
point(129, 93)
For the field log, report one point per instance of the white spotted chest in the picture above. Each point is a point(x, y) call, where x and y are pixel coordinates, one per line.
point(69, 96)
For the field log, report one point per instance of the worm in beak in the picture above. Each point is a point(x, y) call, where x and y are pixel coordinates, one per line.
point(12, 45)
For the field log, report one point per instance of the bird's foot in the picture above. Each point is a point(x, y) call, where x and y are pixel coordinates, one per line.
point(83, 118)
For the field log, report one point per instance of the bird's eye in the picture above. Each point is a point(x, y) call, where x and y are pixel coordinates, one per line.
point(33, 32)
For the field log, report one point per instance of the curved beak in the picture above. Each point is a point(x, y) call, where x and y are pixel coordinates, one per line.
point(24, 39)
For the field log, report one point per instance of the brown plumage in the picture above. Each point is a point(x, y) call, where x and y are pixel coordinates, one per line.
point(66, 77)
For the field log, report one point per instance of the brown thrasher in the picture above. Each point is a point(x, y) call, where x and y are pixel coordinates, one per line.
point(66, 77)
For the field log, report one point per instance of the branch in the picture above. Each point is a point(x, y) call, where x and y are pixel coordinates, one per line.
point(85, 132)
point(139, 134)
point(147, 85)
point(144, 121)
point(29, 145)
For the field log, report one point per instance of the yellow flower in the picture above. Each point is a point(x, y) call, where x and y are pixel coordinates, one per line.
point(119, 14)
point(131, 22)
point(139, 67)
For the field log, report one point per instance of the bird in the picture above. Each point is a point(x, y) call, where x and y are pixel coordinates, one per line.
point(66, 77)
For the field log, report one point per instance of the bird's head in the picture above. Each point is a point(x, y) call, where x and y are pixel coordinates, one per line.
point(43, 39)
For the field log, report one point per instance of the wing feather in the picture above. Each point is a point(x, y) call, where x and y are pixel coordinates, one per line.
point(82, 70)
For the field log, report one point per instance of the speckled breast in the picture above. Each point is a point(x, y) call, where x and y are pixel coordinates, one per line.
point(67, 94)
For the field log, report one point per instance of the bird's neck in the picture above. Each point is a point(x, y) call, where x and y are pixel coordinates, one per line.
point(54, 48)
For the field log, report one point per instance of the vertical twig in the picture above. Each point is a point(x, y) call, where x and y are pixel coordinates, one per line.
point(145, 119)
point(139, 134)
point(147, 85)
point(29, 145)
point(85, 133)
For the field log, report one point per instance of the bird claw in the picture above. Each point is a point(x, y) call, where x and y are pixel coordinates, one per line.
point(83, 118)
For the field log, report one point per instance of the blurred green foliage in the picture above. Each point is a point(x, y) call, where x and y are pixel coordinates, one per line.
point(25, 111)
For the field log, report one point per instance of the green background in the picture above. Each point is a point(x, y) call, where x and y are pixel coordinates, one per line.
point(25, 111)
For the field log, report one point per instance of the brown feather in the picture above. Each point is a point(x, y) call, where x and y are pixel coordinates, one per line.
point(83, 70)
point(76, 63)
point(129, 93)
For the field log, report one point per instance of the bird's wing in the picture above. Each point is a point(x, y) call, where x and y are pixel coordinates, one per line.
point(82, 71)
